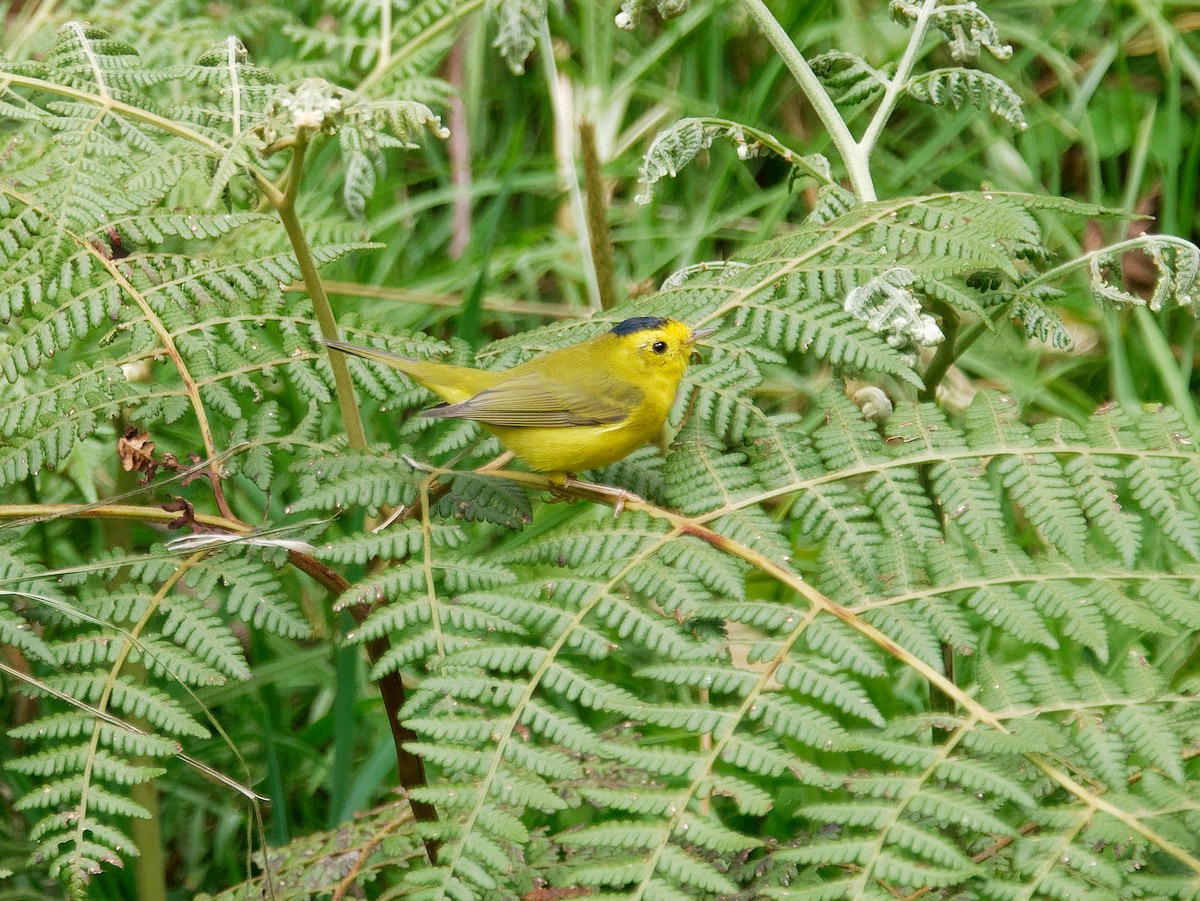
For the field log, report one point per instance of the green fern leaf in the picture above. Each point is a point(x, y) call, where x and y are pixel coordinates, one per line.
point(955, 87)
point(517, 24)
point(966, 28)
point(250, 591)
point(810, 678)
point(1039, 485)
point(849, 79)
point(346, 479)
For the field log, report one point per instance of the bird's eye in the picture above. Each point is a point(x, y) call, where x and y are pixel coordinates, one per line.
point(659, 347)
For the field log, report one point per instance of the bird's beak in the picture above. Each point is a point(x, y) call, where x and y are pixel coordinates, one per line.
point(700, 333)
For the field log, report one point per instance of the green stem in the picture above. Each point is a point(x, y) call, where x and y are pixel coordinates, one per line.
point(853, 157)
point(322, 309)
point(947, 351)
point(898, 82)
point(150, 866)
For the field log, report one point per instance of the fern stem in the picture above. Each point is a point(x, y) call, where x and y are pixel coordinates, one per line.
point(503, 735)
point(898, 82)
point(853, 157)
point(715, 749)
point(189, 382)
point(904, 797)
point(232, 45)
point(946, 353)
point(322, 310)
point(149, 867)
point(384, 60)
point(435, 613)
point(89, 52)
point(1060, 850)
point(130, 642)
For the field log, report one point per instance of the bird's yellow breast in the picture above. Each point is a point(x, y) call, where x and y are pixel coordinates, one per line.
point(574, 449)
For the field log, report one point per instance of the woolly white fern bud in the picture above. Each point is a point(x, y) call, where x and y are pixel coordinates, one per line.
point(632, 11)
point(311, 102)
point(889, 307)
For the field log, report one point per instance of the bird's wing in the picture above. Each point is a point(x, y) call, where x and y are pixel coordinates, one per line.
point(532, 400)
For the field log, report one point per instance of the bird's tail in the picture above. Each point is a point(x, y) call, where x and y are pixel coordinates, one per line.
point(404, 364)
point(449, 382)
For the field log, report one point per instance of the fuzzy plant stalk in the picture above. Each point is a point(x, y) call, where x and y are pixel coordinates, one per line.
point(857, 161)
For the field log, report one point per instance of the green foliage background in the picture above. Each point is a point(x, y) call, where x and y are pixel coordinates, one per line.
point(908, 606)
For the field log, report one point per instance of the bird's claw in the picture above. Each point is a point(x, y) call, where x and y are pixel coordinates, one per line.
point(620, 497)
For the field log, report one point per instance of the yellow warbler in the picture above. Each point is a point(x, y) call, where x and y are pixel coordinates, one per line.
point(580, 407)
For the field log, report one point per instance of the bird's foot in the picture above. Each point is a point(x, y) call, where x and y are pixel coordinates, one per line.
point(558, 487)
point(619, 496)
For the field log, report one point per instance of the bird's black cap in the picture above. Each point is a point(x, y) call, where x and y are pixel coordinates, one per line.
point(638, 324)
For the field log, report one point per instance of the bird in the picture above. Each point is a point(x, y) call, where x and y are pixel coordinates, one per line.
point(581, 407)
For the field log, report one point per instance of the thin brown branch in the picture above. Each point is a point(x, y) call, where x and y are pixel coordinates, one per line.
point(599, 233)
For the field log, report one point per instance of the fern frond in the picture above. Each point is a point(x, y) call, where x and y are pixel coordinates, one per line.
point(1177, 262)
point(848, 77)
point(344, 479)
point(956, 87)
point(966, 28)
point(517, 26)
point(240, 88)
point(676, 147)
